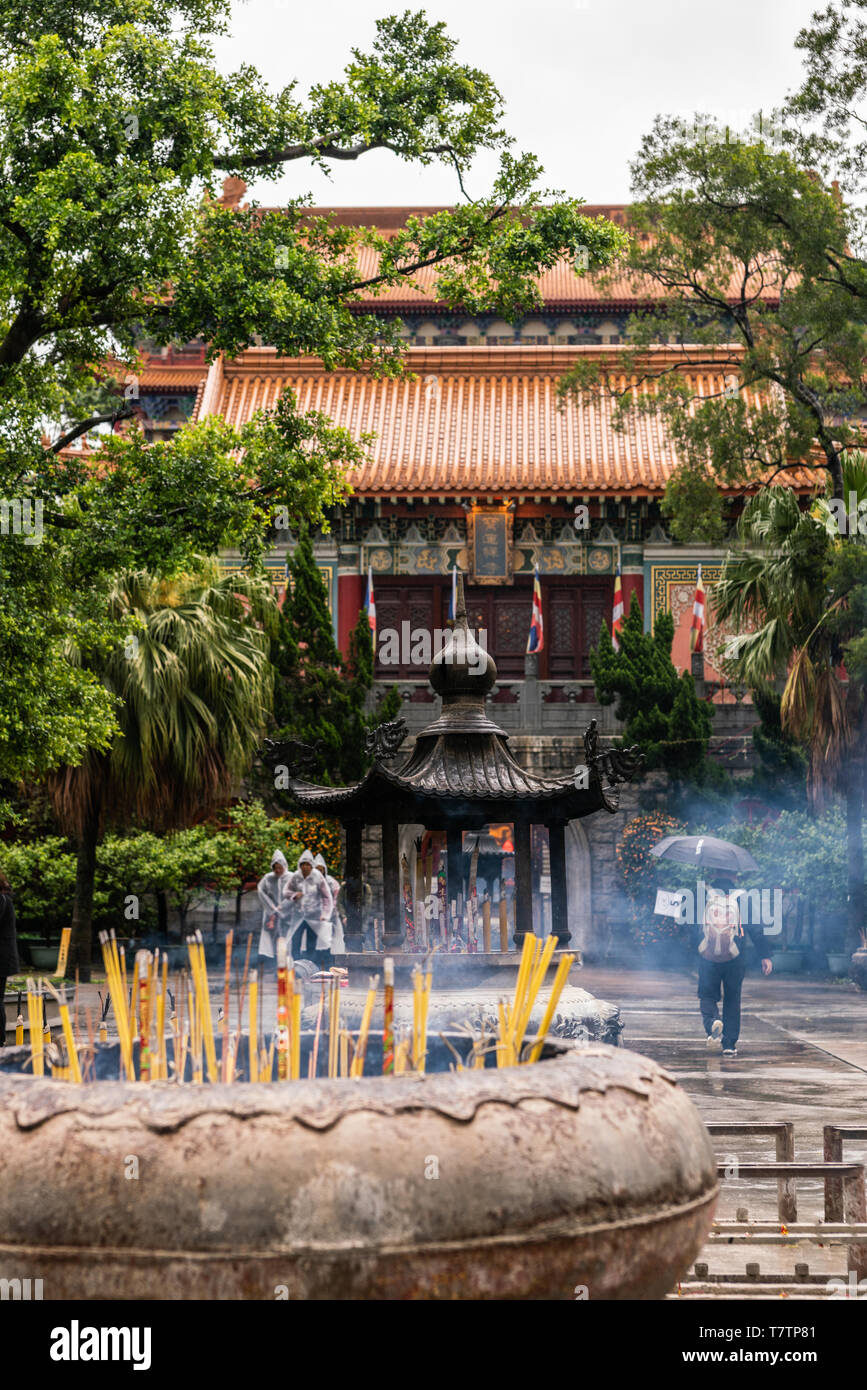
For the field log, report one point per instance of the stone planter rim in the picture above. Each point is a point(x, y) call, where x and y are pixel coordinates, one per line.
point(563, 1079)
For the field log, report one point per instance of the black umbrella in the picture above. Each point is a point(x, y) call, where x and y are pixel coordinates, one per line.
point(706, 852)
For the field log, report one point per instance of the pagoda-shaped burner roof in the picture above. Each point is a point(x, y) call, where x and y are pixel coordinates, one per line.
point(461, 766)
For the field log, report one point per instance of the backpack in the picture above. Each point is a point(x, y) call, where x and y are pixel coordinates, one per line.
point(722, 927)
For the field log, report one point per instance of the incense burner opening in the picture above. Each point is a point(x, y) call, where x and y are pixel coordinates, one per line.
point(587, 1174)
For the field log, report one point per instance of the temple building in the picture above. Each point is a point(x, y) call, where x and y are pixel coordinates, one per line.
point(478, 464)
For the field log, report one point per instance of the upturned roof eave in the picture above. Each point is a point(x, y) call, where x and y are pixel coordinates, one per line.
point(383, 794)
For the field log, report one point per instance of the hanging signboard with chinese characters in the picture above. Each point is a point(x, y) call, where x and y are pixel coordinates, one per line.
point(490, 539)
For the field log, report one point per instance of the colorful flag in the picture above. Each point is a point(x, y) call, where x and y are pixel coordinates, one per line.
point(696, 632)
point(536, 640)
point(370, 605)
point(617, 615)
point(453, 601)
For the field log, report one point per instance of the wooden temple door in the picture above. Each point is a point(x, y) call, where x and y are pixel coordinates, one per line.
point(400, 602)
point(576, 611)
point(504, 616)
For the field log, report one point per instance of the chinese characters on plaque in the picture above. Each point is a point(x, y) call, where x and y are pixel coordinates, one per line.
point(490, 545)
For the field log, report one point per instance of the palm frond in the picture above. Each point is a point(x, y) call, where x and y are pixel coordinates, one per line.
point(194, 690)
point(798, 704)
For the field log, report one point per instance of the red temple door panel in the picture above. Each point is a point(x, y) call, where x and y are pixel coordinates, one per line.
point(396, 604)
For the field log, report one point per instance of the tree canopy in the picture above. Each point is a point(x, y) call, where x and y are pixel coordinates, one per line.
point(751, 243)
point(659, 708)
point(116, 127)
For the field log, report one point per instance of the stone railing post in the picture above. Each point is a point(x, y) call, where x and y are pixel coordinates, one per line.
point(531, 696)
point(697, 666)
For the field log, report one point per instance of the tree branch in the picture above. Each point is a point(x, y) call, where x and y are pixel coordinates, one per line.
point(323, 147)
point(466, 245)
point(84, 425)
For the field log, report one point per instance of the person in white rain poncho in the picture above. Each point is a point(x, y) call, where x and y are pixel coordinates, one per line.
point(312, 906)
point(338, 945)
point(276, 911)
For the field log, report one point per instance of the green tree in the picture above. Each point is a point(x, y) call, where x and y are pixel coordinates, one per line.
point(192, 684)
point(311, 699)
point(116, 126)
point(747, 256)
point(796, 594)
point(660, 709)
point(824, 118)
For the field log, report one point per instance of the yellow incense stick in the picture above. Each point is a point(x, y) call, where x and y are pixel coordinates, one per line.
point(542, 960)
point(117, 991)
point(357, 1068)
point(253, 1046)
point(333, 1024)
point(74, 1065)
point(560, 978)
point(425, 1005)
point(34, 1016)
point(161, 1069)
point(195, 1037)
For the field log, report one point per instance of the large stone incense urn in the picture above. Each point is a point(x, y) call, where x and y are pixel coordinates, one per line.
point(587, 1174)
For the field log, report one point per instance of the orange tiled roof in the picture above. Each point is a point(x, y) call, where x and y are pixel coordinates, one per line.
point(178, 378)
point(475, 421)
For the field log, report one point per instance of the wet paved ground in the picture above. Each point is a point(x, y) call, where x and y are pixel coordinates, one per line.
point(802, 1056)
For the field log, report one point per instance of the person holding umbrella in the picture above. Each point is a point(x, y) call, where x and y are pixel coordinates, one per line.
point(721, 935)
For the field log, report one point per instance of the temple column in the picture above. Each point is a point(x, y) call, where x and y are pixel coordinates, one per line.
point(523, 882)
point(350, 601)
point(559, 900)
point(454, 867)
point(393, 935)
point(354, 933)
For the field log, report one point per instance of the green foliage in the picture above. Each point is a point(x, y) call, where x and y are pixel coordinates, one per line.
point(822, 119)
point(132, 869)
point(116, 125)
point(192, 683)
point(248, 838)
point(361, 671)
point(804, 853)
point(42, 875)
point(313, 702)
point(193, 687)
point(750, 260)
point(659, 708)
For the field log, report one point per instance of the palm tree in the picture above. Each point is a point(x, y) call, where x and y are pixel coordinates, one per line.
point(193, 684)
point(786, 586)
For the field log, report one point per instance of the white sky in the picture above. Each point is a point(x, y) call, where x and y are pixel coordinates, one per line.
point(582, 79)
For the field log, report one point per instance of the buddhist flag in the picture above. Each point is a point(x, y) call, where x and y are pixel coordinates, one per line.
point(453, 601)
point(370, 606)
point(696, 632)
point(617, 614)
point(536, 640)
